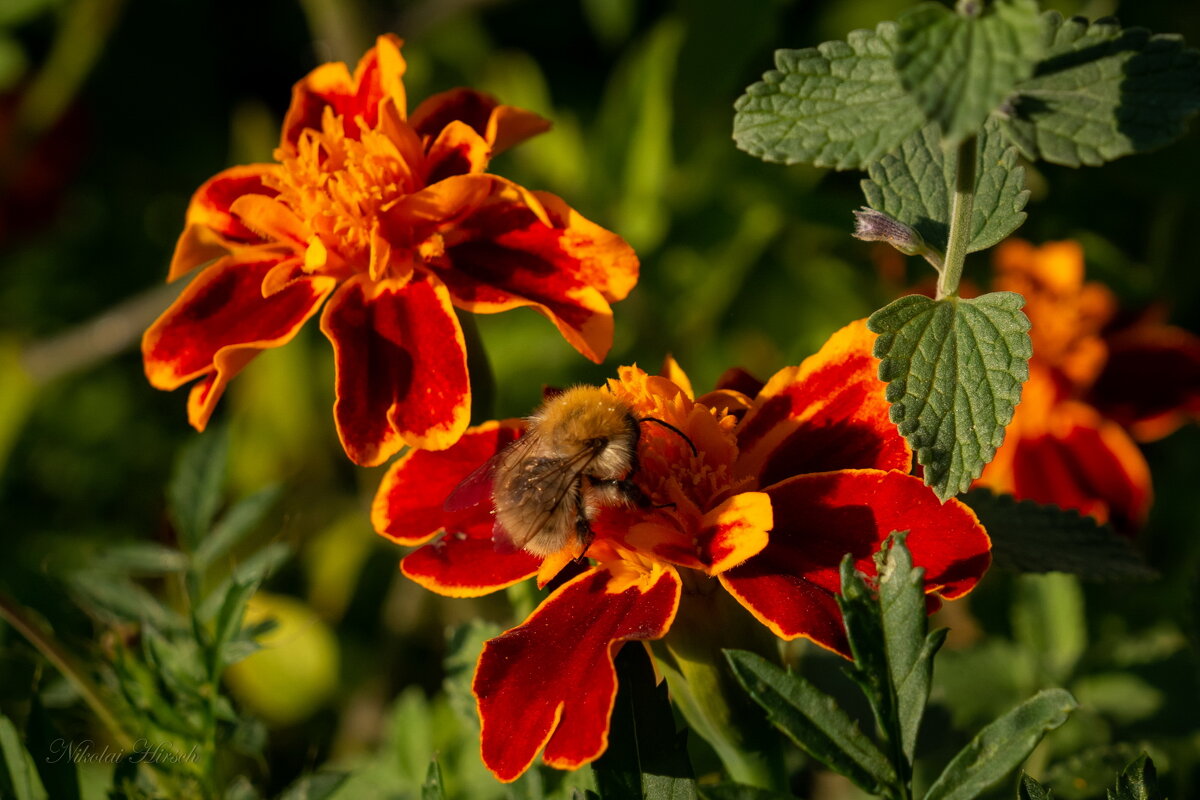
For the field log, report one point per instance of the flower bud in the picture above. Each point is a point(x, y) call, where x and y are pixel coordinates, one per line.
point(875, 226)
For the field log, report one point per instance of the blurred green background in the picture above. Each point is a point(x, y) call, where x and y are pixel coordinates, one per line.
point(112, 113)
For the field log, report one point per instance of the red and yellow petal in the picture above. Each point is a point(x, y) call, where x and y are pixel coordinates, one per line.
point(220, 322)
point(458, 150)
point(409, 507)
point(499, 125)
point(550, 682)
point(212, 229)
point(828, 413)
point(1151, 381)
point(1087, 463)
point(401, 367)
point(461, 565)
point(725, 536)
point(379, 75)
point(819, 518)
point(503, 256)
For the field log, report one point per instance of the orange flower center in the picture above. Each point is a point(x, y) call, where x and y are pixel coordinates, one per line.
point(670, 473)
point(338, 185)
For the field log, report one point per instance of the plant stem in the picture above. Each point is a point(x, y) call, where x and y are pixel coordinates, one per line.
point(960, 218)
point(36, 634)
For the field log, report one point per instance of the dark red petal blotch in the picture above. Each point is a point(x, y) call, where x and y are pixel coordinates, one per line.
point(401, 367)
point(821, 517)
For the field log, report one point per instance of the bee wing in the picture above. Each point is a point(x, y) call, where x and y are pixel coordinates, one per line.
point(477, 487)
point(562, 478)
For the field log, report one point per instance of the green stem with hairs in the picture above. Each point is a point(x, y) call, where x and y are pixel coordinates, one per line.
point(960, 218)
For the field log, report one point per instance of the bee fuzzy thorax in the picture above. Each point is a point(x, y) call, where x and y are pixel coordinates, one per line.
point(589, 418)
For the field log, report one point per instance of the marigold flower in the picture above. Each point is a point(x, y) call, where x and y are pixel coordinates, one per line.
point(392, 217)
point(786, 478)
point(1091, 385)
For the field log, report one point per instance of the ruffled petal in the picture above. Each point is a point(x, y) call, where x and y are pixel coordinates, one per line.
point(550, 682)
point(401, 367)
point(461, 565)
point(503, 256)
point(499, 125)
point(458, 150)
point(211, 228)
point(728, 535)
point(1086, 463)
point(409, 507)
point(1151, 381)
point(828, 413)
point(379, 75)
point(220, 322)
point(819, 518)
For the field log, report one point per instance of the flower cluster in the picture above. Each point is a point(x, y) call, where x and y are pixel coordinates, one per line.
point(1096, 383)
point(392, 217)
point(785, 479)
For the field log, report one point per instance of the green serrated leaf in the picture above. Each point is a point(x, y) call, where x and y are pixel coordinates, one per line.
point(19, 777)
point(954, 369)
point(1031, 537)
point(1102, 92)
point(194, 492)
point(1138, 781)
point(646, 756)
point(432, 788)
point(234, 525)
point(915, 185)
point(1001, 746)
point(959, 68)
point(1029, 789)
point(813, 720)
point(839, 104)
point(909, 651)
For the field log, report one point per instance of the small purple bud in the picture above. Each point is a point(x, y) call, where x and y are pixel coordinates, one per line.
point(875, 226)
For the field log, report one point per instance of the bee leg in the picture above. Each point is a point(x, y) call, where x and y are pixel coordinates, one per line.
point(621, 490)
point(583, 530)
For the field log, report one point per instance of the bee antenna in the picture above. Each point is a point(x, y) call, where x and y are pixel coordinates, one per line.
point(671, 427)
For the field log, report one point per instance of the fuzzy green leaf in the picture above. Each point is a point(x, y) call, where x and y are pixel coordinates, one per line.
point(814, 721)
point(909, 651)
point(1031, 537)
point(915, 185)
point(1138, 781)
point(194, 493)
point(959, 68)
point(1102, 92)
point(839, 104)
point(1002, 746)
point(954, 369)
